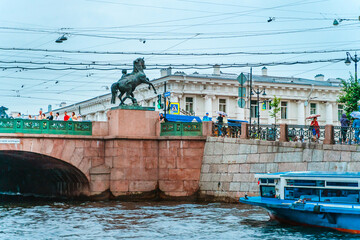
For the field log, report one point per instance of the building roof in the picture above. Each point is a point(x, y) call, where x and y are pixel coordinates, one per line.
point(266, 79)
point(314, 174)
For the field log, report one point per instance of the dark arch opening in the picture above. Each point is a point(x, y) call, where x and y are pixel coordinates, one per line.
point(29, 174)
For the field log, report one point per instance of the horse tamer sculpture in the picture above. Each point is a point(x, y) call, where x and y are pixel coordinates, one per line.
point(3, 114)
point(128, 83)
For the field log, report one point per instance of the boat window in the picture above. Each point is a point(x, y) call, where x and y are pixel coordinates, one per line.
point(315, 183)
point(339, 195)
point(292, 193)
point(267, 180)
point(267, 191)
point(342, 184)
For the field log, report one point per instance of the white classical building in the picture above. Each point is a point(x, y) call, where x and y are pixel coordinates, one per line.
point(200, 93)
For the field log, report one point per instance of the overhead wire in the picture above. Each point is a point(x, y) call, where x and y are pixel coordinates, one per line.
point(178, 53)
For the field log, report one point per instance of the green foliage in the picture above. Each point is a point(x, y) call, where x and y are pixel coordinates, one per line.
point(350, 95)
point(275, 107)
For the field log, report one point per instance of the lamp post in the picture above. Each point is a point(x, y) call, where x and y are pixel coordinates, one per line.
point(355, 59)
point(258, 92)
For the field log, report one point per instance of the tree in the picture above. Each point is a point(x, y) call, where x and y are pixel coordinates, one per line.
point(275, 108)
point(350, 95)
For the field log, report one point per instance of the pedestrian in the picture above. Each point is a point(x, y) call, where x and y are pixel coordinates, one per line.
point(43, 117)
point(18, 115)
point(57, 116)
point(50, 117)
point(206, 118)
point(29, 117)
point(356, 126)
point(344, 127)
point(162, 118)
point(74, 117)
point(40, 115)
point(315, 129)
point(220, 122)
point(66, 117)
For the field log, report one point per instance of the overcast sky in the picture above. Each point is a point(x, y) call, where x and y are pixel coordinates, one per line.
point(162, 26)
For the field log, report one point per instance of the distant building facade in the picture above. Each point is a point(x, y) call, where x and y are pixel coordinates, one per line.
point(201, 93)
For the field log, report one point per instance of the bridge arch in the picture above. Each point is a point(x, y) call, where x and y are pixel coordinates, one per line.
point(32, 174)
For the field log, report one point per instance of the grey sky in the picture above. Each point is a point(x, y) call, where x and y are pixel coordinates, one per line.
point(184, 26)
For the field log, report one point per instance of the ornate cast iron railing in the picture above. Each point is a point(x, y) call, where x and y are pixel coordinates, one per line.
point(305, 133)
point(227, 130)
point(181, 129)
point(346, 135)
point(269, 132)
point(45, 127)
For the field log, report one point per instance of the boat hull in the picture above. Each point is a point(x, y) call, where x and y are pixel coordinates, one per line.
point(309, 215)
point(342, 222)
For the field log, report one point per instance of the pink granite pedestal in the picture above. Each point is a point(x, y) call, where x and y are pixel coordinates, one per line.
point(133, 123)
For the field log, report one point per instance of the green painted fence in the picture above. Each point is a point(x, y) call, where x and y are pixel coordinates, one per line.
point(181, 129)
point(45, 127)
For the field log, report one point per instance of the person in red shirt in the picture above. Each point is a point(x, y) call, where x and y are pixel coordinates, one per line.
point(315, 129)
point(66, 117)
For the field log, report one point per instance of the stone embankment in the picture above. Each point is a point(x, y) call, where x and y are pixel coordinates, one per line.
point(229, 165)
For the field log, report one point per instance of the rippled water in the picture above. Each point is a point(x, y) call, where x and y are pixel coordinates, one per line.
point(147, 220)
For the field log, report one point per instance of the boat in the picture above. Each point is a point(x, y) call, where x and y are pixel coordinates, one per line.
point(317, 199)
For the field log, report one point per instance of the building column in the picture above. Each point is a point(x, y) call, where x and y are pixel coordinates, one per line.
point(329, 113)
point(208, 105)
point(174, 98)
point(301, 112)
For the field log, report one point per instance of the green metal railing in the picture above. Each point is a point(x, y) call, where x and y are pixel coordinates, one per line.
point(181, 129)
point(45, 127)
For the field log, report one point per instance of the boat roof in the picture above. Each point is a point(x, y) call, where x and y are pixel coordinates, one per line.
point(313, 174)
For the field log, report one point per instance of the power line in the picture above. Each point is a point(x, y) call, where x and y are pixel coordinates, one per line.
point(177, 54)
point(177, 66)
point(201, 37)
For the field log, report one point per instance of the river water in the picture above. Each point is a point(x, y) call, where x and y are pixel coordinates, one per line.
point(147, 220)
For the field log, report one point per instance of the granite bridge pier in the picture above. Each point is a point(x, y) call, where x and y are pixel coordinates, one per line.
point(143, 159)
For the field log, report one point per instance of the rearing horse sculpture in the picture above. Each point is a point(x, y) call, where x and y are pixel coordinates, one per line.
point(128, 83)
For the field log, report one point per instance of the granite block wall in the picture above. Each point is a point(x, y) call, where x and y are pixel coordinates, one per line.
point(229, 165)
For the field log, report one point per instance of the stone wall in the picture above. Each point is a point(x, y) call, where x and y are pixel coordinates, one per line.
point(228, 167)
point(159, 167)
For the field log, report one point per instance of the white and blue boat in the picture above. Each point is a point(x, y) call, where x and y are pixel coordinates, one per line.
point(319, 199)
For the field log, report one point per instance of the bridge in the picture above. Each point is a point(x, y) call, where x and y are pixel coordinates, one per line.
point(123, 159)
point(115, 159)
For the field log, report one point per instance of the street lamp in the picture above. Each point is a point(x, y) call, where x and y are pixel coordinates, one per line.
point(355, 59)
point(258, 92)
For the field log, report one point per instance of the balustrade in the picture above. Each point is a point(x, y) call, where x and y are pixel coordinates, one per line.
point(45, 127)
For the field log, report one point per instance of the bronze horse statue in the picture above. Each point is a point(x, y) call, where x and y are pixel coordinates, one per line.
point(3, 114)
point(128, 83)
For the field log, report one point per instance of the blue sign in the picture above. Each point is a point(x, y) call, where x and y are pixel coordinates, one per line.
point(174, 108)
point(167, 94)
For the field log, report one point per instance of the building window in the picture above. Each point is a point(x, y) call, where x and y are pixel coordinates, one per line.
point(284, 110)
point(340, 111)
point(313, 108)
point(222, 105)
point(254, 109)
point(189, 104)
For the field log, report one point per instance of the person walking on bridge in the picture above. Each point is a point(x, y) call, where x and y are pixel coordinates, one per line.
point(356, 126)
point(344, 127)
point(66, 117)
